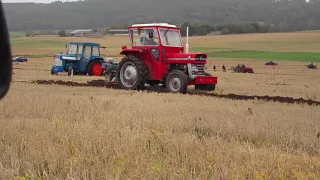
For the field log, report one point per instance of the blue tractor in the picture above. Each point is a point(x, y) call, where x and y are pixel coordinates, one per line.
point(81, 58)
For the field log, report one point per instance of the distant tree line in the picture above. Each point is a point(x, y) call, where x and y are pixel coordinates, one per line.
point(31, 33)
point(238, 16)
point(197, 29)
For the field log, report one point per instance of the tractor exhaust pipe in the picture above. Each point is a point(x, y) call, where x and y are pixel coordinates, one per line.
point(187, 44)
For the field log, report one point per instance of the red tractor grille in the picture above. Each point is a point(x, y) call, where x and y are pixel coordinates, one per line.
point(197, 69)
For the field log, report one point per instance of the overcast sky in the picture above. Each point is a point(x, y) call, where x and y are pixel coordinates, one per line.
point(42, 1)
point(36, 1)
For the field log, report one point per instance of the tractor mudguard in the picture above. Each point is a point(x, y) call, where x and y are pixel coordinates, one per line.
point(100, 59)
point(130, 51)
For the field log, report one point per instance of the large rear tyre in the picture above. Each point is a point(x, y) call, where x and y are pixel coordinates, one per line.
point(177, 82)
point(95, 68)
point(132, 73)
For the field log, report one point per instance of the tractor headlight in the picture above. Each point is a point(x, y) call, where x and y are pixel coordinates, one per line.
point(201, 58)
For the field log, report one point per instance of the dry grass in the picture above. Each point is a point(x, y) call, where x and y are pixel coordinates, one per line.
point(58, 132)
point(279, 42)
point(113, 44)
point(94, 133)
point(290, 79)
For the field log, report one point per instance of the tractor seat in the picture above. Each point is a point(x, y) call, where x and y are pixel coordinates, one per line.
point(143, 40)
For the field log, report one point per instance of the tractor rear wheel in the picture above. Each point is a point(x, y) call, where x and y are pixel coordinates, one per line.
point(177, 82)
point(95, 68)
point(132, 73)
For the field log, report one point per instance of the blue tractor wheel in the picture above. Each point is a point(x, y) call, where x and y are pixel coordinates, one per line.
point(53, 72)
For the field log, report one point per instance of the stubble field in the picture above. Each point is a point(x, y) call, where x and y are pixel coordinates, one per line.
point(60, 132)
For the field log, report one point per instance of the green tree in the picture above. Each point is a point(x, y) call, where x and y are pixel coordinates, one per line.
point(62, 33)
point(30, 33)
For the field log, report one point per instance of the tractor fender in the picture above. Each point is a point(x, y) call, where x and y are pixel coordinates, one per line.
point(132, 52)
point(99, 59)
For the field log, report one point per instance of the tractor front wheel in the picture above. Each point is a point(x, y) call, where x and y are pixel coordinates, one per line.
point(177, 82)
point(95, 68)
point(132, 73)
point(53, 72)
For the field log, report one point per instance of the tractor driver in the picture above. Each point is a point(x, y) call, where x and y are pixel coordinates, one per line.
point(150, 40)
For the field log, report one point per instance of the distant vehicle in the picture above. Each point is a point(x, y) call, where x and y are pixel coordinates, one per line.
point(242, 68)
point(311, 66)
point(271, 63)
point(20, 59)
point(81, 58)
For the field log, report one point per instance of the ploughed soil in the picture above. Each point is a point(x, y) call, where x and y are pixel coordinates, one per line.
point(102, 83)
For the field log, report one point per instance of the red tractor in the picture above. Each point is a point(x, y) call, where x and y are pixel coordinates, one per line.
point(157, 56)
